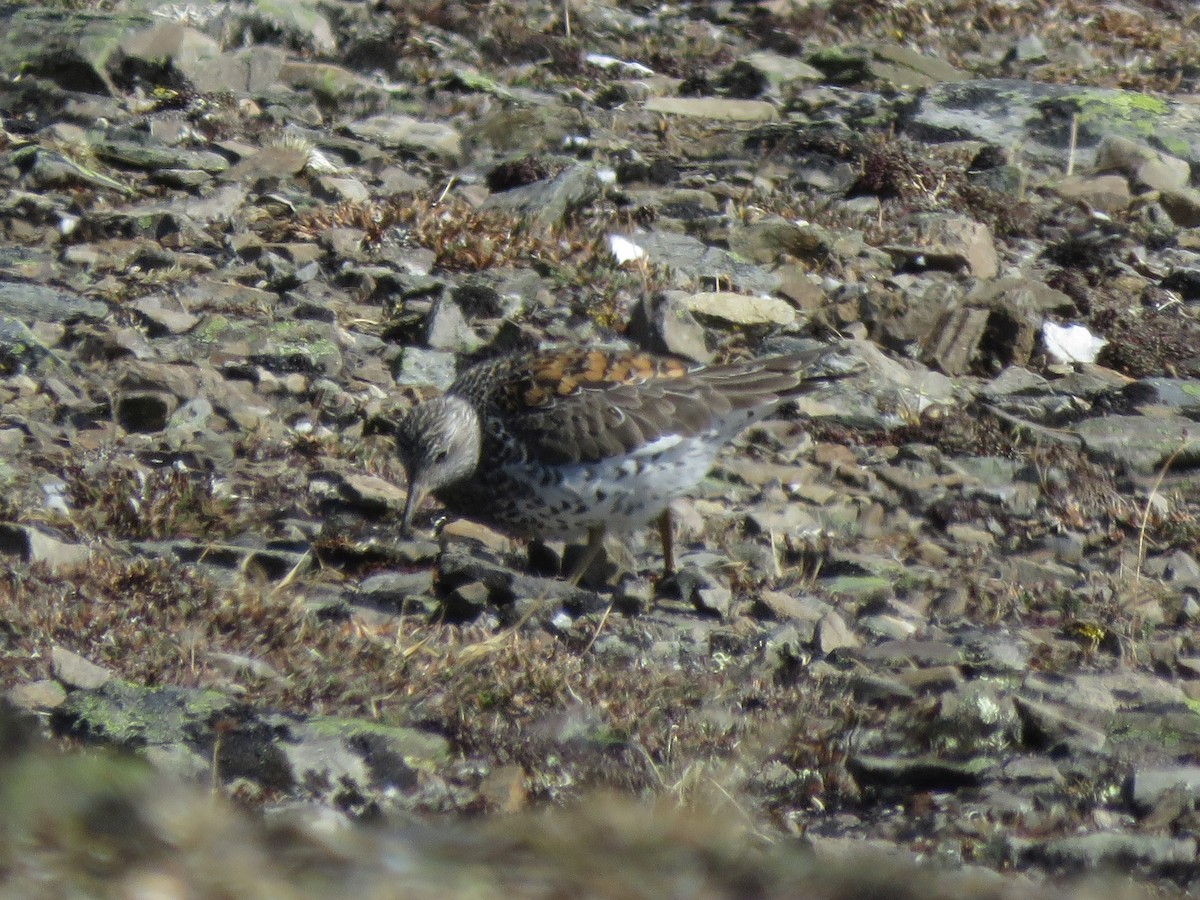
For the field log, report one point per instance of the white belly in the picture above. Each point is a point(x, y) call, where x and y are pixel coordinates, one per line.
point(619, 494)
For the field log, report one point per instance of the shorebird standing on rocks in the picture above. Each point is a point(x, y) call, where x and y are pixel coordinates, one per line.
point(562, 443)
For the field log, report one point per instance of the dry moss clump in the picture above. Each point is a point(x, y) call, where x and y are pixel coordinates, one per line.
point(463, 238)
point(567, 717)
point(157, 623)
point(905, 175)
point(1150, 342)
point(127, 502)
point(1146, 48)
point(956, 432)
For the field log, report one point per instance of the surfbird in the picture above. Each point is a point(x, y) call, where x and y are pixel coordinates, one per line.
point(557, 444)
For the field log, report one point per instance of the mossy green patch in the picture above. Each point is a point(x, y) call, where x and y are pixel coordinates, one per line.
point(1174, 145)
point(1141, 112)
point(130, 715)
point(212, 329)
point(414, 745)
point(1161, 729)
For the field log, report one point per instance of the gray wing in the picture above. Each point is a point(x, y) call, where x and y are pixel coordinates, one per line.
point(568, 406)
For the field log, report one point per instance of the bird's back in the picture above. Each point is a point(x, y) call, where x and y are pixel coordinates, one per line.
point(561, 407)
point(576, 439)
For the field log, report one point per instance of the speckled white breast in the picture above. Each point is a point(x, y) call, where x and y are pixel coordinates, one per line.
point(620, 494)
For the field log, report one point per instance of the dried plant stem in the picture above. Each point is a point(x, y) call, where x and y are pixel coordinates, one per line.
point(1162, 473)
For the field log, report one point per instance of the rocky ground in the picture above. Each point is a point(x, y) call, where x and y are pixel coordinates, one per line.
point(935, 630)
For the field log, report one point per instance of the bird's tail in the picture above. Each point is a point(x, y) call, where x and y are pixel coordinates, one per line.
point(759, 382)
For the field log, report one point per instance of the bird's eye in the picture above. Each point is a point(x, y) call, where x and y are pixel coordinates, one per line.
point(439, 455)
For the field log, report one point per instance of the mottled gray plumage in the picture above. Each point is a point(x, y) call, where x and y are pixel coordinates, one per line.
point(564, 442)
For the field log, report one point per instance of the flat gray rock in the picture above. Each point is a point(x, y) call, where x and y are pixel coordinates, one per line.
point(1141, 444)
point(40, 303)
point(999, 111)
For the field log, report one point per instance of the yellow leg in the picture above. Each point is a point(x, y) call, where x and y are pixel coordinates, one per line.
point(666, 534)
point(595, 543)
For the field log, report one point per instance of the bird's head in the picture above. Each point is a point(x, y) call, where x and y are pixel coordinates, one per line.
point(438, 442)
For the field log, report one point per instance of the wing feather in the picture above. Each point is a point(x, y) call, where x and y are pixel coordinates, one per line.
point(569, 406)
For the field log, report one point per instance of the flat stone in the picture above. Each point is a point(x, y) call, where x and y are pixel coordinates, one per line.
point(349, 190)
point(301, 24)
point(882, 689)
point(164, 319)
point(1107, 193)
point(37, 695)
point(909, 651)
point(662, 323)
point(834, 634)
point(1046, 723)
point(466, 601)
point(504, 789)
point(405, 132)
point(74, 671)
point(549, 202)
point(780, 70)
point(20, 348)
point(1177, 394)
point(1182, 205)
point(1003, 111)
point(967, 535)
point(887, 626)
point(1151, 167)
point(427, 367)
point(446, 328)
point(1033, 770)
point(698, 264)
point(148, 156)
point(183, 47)
point(41, 38)
point(319, 757)
point(714, 108)
point(179, 761)
point(393, 588)
point(1089, 852)
point(901, 65)
point(741, 309)
point(785, 606)
point(1029, 48)
point(468, 530)
point(33, 545)
point(371, 492)
point(1148, 784)
point(994, 650)
point(767, 240)
point(1141, 443)
point(953, 242)
point(245, 70)
point(859, 586)
point(894, 64)
point(42, 303)
point(268, 162)
point(704, 591)
point(331, 81)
